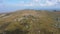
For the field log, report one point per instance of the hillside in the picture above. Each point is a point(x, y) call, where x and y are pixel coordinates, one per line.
point(29, 22)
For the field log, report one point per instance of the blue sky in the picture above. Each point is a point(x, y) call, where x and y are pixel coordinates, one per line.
point(12, 5)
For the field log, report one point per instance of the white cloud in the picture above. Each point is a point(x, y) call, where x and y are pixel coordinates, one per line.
point(37, 0)
point(14, 5)
point(34, 3)
point(48, 3)
point(30, 4)
point(42, 5)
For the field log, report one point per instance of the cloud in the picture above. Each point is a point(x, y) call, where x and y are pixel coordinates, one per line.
point(45, 3)
point(48, 3)
point(29, 4)
point(20, 5)
point(36, 0)
point(32, 3)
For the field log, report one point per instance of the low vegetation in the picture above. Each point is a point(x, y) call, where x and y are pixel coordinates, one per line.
point(30, 22)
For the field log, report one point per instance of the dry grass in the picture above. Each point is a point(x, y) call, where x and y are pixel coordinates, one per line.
point(30, 22)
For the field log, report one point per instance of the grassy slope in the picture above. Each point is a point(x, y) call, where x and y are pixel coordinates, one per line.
point(37, 22)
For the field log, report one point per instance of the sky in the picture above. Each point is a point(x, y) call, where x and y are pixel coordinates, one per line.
point(12, 5)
